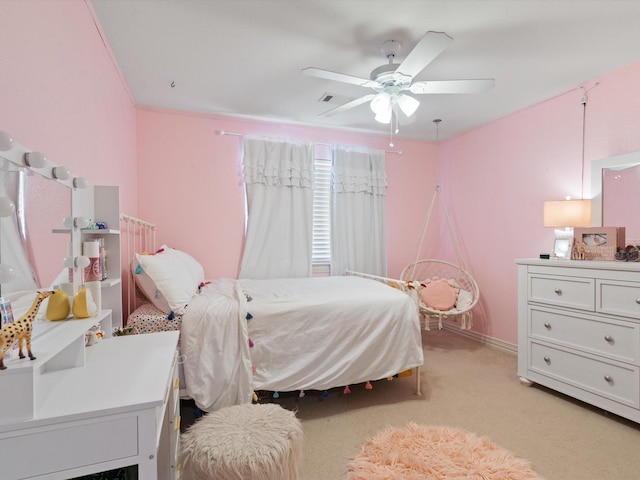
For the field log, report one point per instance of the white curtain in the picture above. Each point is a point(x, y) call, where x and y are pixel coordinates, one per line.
point(358, 236)
point(278, 176)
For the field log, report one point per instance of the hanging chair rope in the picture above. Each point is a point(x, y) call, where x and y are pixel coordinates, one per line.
point(426, 269)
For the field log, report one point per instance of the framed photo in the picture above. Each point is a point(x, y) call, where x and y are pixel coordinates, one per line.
point(562, 247)
point(597, 243)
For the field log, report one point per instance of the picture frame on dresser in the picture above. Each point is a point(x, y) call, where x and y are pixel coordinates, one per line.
point(599, 243)
point(562, 248)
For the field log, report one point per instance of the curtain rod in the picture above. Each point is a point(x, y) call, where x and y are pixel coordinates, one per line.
point(223, 132)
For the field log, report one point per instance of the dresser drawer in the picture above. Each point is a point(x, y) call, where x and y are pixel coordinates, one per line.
point(54, 449)
point(571, 292)
point(618, 298)
point(617, 382)
point(615, 339)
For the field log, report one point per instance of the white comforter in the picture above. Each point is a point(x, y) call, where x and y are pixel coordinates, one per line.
point(307, 334)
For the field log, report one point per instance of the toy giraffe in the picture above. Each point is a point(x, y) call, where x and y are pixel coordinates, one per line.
point(21, 330)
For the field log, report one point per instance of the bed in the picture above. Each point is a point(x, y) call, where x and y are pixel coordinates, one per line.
point(242, 336)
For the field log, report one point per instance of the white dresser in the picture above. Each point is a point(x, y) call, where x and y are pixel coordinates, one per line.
point(119, 408)
point(579, 330)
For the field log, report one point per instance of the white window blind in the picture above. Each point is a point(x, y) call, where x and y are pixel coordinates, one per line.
point(321, 251)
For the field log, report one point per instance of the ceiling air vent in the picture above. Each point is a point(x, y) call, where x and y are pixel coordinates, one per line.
point(333, 99)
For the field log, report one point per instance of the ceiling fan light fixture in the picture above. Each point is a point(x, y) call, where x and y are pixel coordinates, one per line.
point(381, 104)
point(408, 104)
point(385, 116)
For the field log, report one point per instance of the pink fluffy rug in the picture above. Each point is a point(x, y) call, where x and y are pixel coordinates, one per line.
point(418, 452)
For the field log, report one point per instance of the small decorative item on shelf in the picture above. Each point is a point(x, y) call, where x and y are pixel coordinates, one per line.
point(83, 304)
point(121, 331)
point(93, 336)
point(21, 330)
point(93, 272)
point(6, 313)
point(58, 306)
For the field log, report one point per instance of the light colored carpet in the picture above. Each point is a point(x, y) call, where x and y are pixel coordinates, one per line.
point(474, 387)
point(418, 452)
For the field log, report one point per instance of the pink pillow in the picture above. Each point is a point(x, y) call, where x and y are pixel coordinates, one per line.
point(438, 294)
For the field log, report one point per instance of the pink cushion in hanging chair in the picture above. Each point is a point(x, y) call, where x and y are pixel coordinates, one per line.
point(438, 294)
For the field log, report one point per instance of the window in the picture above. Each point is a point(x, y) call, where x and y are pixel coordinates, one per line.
point(321, 249)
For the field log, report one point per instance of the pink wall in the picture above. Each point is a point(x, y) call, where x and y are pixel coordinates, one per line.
point(494, 181)
point(61, 94)
point(498, 176)
point(190, 184)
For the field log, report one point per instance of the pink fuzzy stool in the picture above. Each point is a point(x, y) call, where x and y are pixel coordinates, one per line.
point(243, 442)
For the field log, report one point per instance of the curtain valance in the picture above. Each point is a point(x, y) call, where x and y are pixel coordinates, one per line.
point(277, 163)
point(359, 171)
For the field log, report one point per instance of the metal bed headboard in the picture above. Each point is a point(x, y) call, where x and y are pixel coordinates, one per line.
point(138, 236)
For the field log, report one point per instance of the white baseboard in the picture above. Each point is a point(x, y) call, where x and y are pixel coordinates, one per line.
point(478, 337)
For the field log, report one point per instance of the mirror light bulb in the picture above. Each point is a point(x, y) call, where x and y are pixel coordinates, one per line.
point(6, 141)
point(68, 262)
point(7, 207)
point(82, 262)
point(35, 159)
point(80, 182)
point(75, 222)
point(81, 222)
point(60, 173)
point(7, 273)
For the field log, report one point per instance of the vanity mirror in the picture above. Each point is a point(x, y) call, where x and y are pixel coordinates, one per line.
point(615, 189)
point(41, 194)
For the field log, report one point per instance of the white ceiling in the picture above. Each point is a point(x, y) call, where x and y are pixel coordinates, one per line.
point(244, 57)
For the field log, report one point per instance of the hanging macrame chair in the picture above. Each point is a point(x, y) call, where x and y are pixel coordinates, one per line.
point(422, 271)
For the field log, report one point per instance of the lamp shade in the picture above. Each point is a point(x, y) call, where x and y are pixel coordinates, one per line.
point(567, 213)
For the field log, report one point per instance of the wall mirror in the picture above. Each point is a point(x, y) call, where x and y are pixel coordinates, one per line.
point(42, 195)
point(26, 239)
point(615, 189)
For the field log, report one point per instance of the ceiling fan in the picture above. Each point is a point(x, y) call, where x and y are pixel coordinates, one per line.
point(391, 81)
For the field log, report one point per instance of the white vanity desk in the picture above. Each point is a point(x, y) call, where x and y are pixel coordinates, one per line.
point(120, 409)
point(579, 330)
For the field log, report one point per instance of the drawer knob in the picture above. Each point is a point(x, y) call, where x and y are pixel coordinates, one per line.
point(608, 338)
point(547, 325)
point(558, 291)
point(608, 378)
point(638, 301)
point(547, 360)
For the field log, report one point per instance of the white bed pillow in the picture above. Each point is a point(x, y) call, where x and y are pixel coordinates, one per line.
point(191, 263)
point(148, 287)
point(175, 274)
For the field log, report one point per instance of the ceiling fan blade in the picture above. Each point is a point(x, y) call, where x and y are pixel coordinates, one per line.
point(453, 86)
point(338, 77)
point(427, 49)
point(348, 105)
